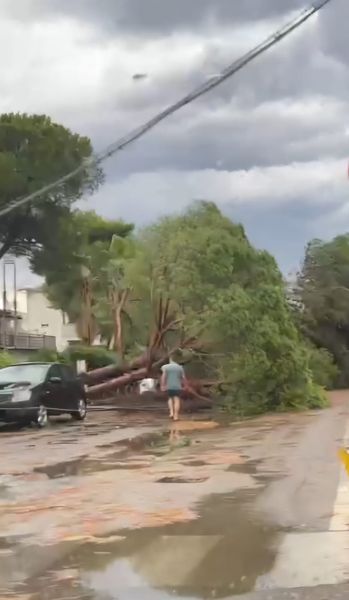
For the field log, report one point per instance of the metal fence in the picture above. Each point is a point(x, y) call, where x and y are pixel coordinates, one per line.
point(27, 341)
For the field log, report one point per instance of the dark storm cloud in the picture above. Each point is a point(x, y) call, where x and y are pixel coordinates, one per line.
point(162, 16)
point(238, 126)
point(261, 138)
point(296, 70)
point(289, 106)
point(334, 31)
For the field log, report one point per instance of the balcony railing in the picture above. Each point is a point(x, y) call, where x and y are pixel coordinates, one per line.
point(27, 341)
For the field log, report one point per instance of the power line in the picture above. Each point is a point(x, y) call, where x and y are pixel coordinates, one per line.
point(204, 88)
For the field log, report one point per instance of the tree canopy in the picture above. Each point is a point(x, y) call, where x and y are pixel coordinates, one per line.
point(231, 299)
point(34, 151)
point(192, 283)
point(80, 247)
point(323, 299)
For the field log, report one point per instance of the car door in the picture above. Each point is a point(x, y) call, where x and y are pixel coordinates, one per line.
point(54, 389)
point(70, 388)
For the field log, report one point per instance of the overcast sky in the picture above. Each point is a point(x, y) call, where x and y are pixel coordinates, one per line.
point(270, 146)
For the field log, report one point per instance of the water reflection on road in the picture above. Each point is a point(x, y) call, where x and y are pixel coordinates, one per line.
point(220, 553)
point(196, 511)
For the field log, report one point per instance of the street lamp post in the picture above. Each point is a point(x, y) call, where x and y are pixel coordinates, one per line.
point(86, 318)
point(44, 328)
point(9, 263)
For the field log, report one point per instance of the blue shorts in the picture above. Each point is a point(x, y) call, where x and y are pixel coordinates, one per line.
point(174, 394)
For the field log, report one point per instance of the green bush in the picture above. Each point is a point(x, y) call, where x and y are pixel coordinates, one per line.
point(48, 356)
point(269, 368)
point(322, 366)
point(96, 357)
point(6, 360)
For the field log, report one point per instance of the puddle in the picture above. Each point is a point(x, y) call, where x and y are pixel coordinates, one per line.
point(5, 493)
point(249, 467)
point(155, 444)
point(6, 544)
point(139, 442)
point(225, 551)
point(85, 466)
point(65, 469)
point(138, 452)
point(181, 480)
point(164, 441)
point(194, 463)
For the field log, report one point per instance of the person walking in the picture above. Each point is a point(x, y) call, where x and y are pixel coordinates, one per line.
point(173, 382)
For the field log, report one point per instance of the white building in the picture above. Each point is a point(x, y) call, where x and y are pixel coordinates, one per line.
point(38, 318)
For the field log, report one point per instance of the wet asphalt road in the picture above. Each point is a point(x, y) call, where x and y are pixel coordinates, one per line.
point(128, 508)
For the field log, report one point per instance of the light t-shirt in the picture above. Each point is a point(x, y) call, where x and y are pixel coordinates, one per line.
point(174, 376)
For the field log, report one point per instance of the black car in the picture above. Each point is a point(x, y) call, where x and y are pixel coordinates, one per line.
point(30, 392)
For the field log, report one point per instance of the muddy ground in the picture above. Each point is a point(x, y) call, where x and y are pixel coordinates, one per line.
point(130, 507)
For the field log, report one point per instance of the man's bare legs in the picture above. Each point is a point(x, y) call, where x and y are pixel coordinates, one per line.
point(176, 407)
point(171, 408)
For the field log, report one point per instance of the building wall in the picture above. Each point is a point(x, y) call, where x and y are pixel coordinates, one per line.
point(39, 317)
point(21, 355)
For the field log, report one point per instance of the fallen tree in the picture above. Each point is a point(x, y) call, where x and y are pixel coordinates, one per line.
point(193, 389)
point(112, 378)
point(197, 285)
point(112, 371)
point(165, 322)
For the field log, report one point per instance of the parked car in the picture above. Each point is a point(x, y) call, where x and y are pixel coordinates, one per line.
point(31, 392)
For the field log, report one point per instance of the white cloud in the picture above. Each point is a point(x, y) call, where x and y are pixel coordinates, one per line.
point(290, 106)
point(313, 183)
point(61, 66)
point(50, 67)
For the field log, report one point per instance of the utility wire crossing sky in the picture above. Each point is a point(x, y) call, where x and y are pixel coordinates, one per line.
point(204, 88)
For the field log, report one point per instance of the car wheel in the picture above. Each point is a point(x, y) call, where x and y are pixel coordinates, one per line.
point(81, 410)
point(41, 418)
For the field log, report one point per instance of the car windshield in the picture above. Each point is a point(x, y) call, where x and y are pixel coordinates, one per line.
point(34, 374)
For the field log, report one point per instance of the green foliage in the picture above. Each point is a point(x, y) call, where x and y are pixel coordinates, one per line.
point(6, 360)
point(34, 152)
point(111, 291)
point(266, 366)
point(325, 371)
point(95, 356)
point(231, 297)
point(224, 296)
point(81, 239)
point(49, 356)
point(323, 299)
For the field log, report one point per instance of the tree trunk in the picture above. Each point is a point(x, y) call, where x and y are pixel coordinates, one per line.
point(115, 370)
point(86, 325)
point(117, 301)
point(194, 389)
point(119, 382)
point(119, 342)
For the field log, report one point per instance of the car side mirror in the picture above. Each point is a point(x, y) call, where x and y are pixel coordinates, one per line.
point(55, 380)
